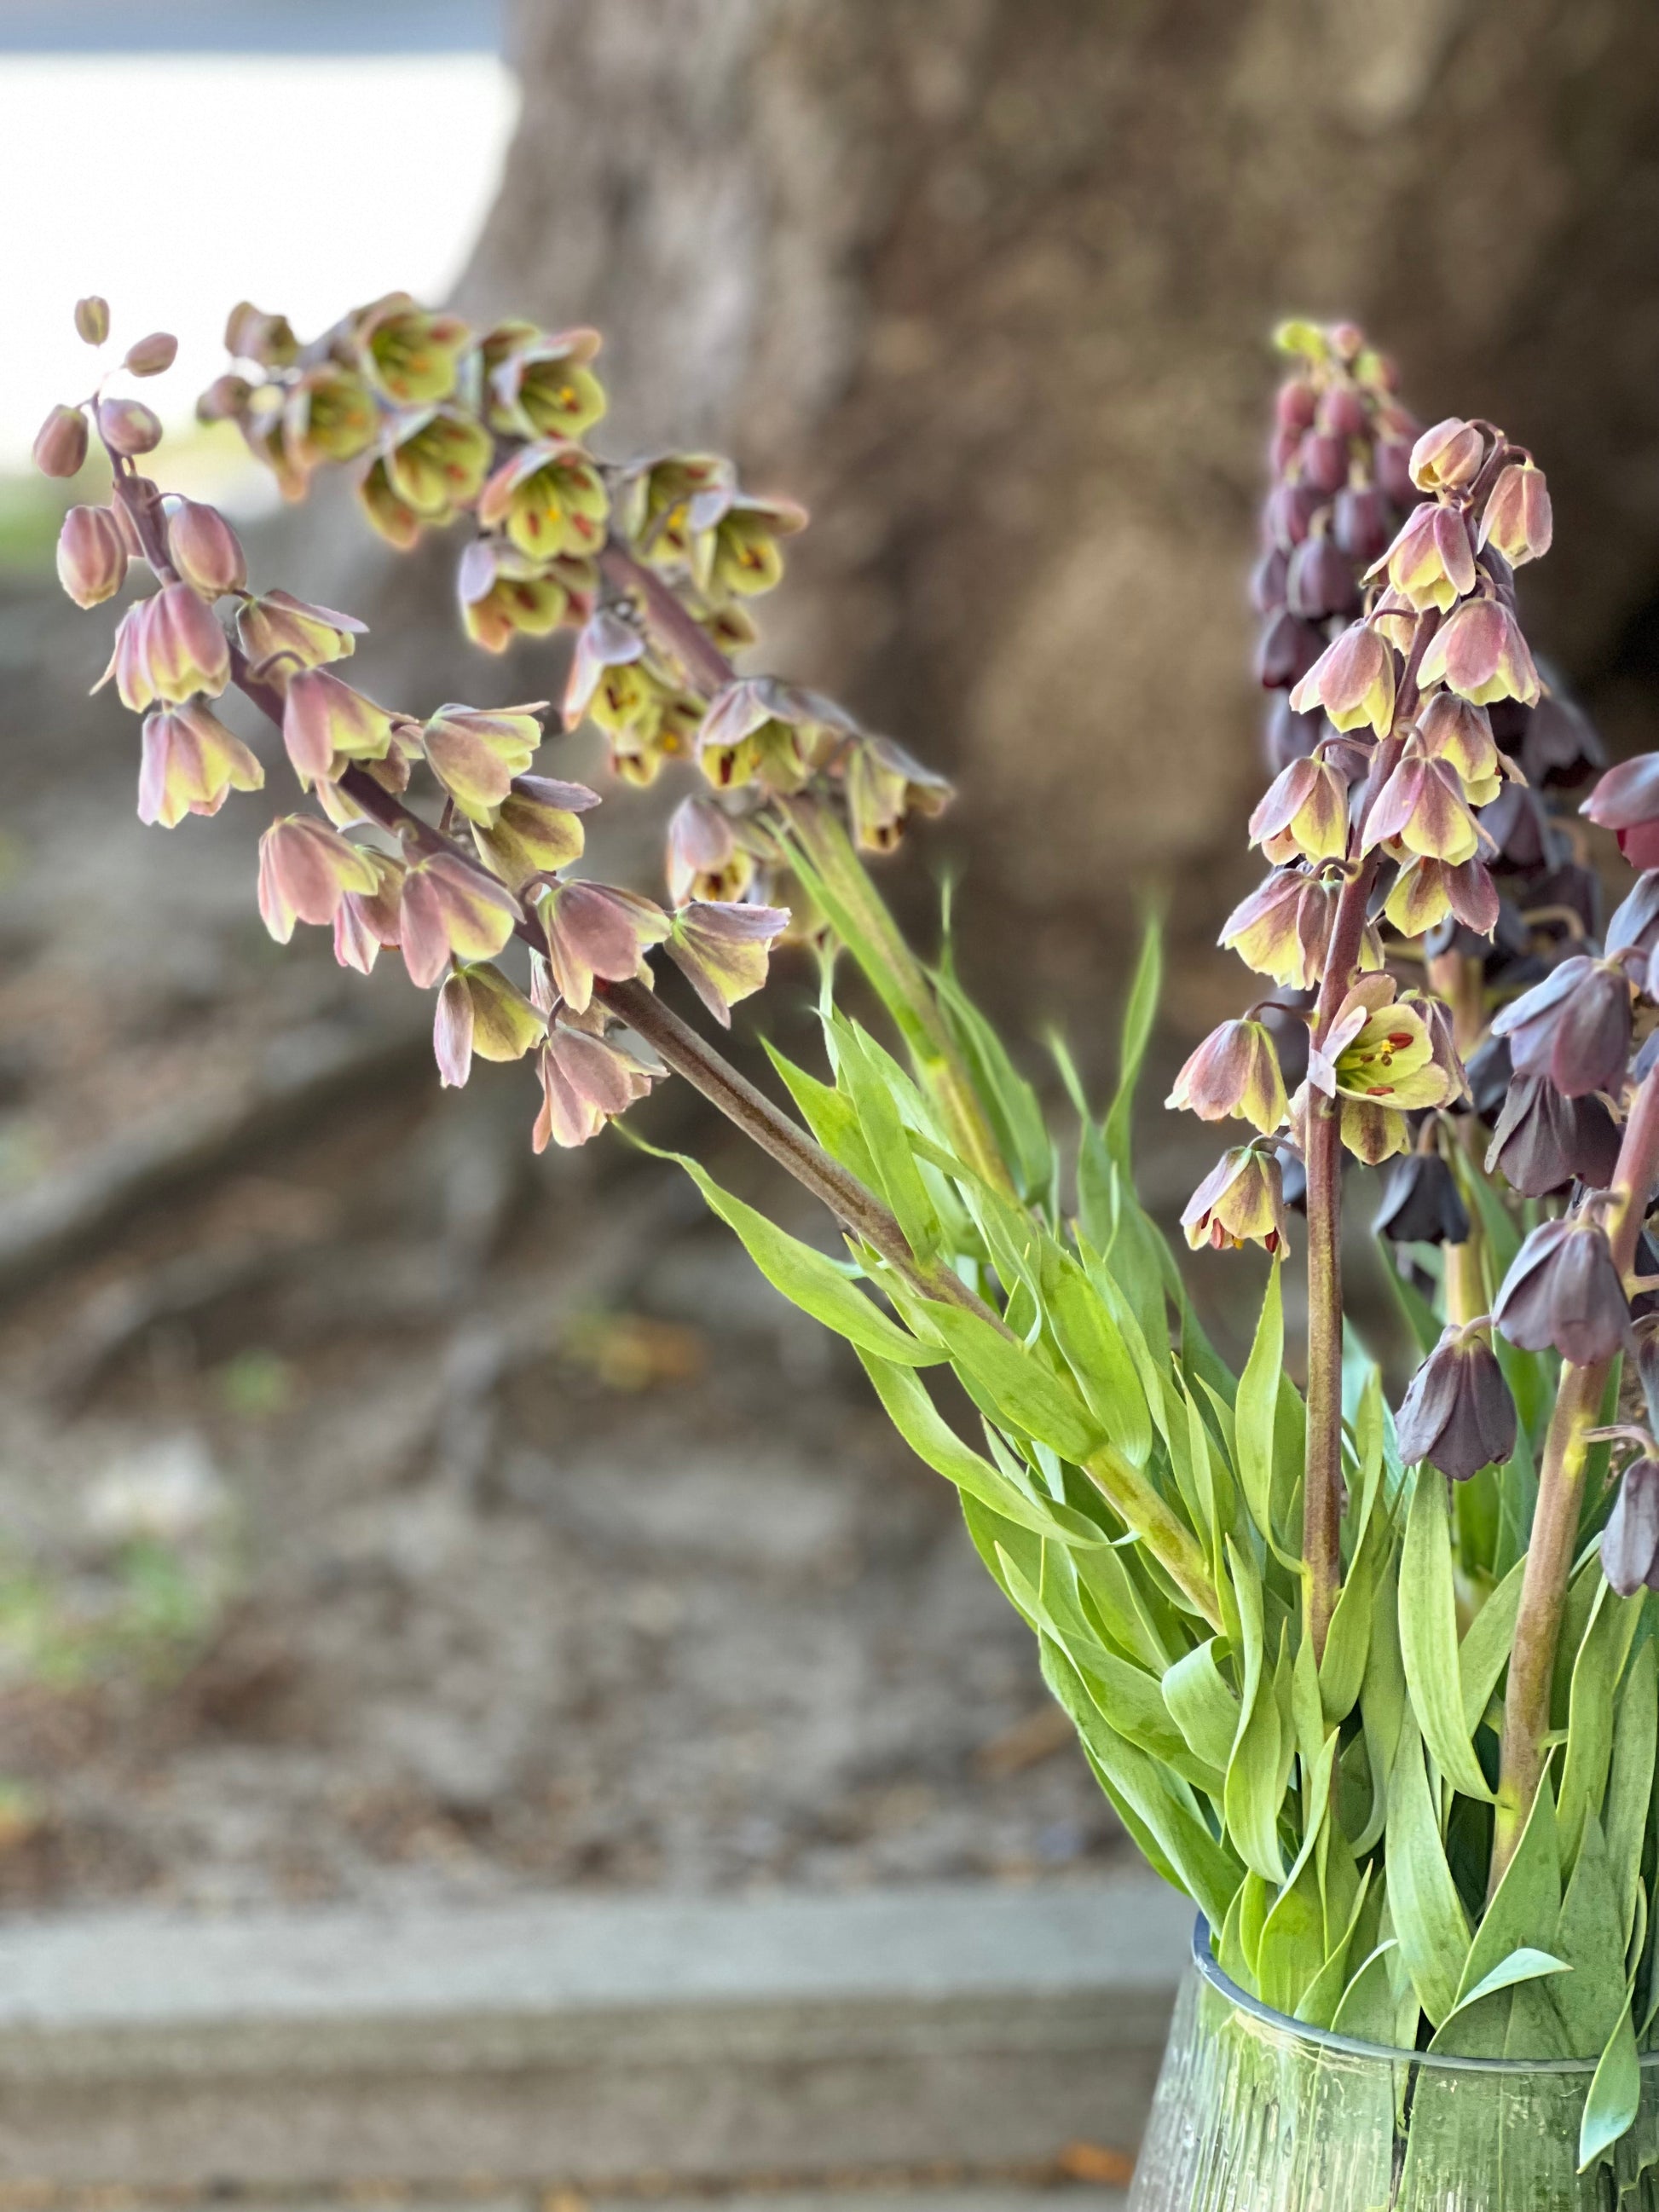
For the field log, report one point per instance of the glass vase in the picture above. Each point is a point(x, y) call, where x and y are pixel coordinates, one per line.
point(1256, 2113)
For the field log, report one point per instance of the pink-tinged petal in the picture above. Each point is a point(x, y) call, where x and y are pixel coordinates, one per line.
point(451, 1033)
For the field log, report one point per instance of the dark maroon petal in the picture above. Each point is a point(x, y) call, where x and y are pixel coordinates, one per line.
point(1630, 1541)
point(1421, 1203)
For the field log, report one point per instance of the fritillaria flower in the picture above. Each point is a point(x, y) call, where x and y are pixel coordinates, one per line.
point(408, 353)
point(1458, 1414)
point(587, 1081)
point(1630, 1541)
point(1562, 1291)
point(1459, 733)
point(479, 1011)
point(1424, 892)
point(204, 549)
point(536, 830)
point(279, 634)
point(1544, 1140)
point(1517, 517)
point(450, 910)
point(597, 930)
point(1303, 814)
point(1573, 1028)
point(252, 335)
point(167, 649)
point(366, 923)
point(549, 498)
point(1421, 1203)
point(1448, 458)
point(885, 785)
point(1422, 808)
point(763, 731)
point(190, 764)
point(436, 460)
point(540, 384)
point(475, 754)
point(1233, 1073)
point(734, 540)
point(506, 594)
point(1354, 680)
point(92, 556)
point(1627, 801)
point(1479, 653)
point(1380, 1047)
point(1634, 925)
point(1282, 928)
point(706, 858)
point(722, 950)
point(326, 721)
point(1240, 1201)
point(127, 426)
point(1430, 563)
point(328, 414)
point(306, 869)
point(60, 444)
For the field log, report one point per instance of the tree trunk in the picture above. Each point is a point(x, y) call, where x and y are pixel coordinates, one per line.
point(989, 283)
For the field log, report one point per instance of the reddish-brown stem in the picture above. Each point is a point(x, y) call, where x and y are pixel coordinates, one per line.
point(1553, 1544)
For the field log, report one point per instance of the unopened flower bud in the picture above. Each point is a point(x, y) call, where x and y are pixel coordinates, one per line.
point(1545, 1140)
point(127, 426)
point(251, 335)
point(1287, 649)
point(1421, 1204)
point(206, 551)
point(1296, 404)
point(92, 319)
point(1240, 1201)
point(1354, 680)
point(1573, 1028)
point(1563, 1292)
point(1457, 1415)
point(722, 950)
point(1319, 581)
point(1359, 522)
point(1478, 653)
point(152, 356)
point(1448, 458)
point(1517, 519)
point(1392, 462)
point(92, 556)
point(1233, 1073)
point(1630, 1541)
point(60, 444)
point(1324, 462)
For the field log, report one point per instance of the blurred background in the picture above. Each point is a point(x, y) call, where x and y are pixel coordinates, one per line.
point(385, 1512)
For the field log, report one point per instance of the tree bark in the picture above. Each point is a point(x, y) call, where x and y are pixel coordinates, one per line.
point(990, 282)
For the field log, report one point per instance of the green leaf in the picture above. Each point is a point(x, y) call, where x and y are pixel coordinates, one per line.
point(1096, 1353)
point(1423, 1900)
point(904, 1398)
point(1523, 1914)
point(1428, 1635)
point(1027, 1394)
point(1348, 1640)
point(1201, 1705)
point(1010, 1103)
point(1253, 1788)
point(1615, 2094)
point(1522, 1966)
point(1382, 1702)
point(1319, 2003)
point(1591, 1709)
point(1630, 1788)
point(1589, 1937)
point(807, 1279)
point(1367, 2010)
point(829, 1113)
point(898, 1178)
point(1256, 1411)
point(1484, 1651)
point(1138, 1018)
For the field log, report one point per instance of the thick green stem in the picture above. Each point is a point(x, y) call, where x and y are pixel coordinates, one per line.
point(1554, 1543)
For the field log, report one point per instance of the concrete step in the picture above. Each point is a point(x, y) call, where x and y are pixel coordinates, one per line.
point(573, 2041)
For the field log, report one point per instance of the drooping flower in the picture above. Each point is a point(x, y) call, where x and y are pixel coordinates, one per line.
point(1233, 1073)
point(653, 502)
point(535, 830)
point(1240, 1201)
point(1627, 801)
point(479, 1011)
point(328, 415)
point(436, 461)
point(706, 858)
point(1517, 519)
point(306, 869)
point(385, 510)
point(506, 594)
point(1634, 924)
point(722, 950)
point(1458, 732)
point(1630, 1541)
point(325, 719)
point(280, 634)
point(92, 556)
point(587, 1081)
point(598, 930)
point(366, 923)
point(1282, 928)
point(549, 498)
point(1478, 653)
point(1573, 1028)
point(1303, 813)
point(885, 785)
point(1458, 1415)
point(1422, 808)
point(734, 540)
point(1424, 892)
point(1430, 563)
point(204, 549)
point(1354, 680)
point(1421, 1203)
point(190, 764)
point(167, 649)
point(406, 352)
point(1448, 457)
point(252, 335)
point(451, 910)
point(1544, 1140)
point(763, 731)
point(475, 754)
point(1562, 1291)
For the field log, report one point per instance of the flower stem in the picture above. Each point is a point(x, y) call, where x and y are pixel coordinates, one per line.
point(1553, 1542)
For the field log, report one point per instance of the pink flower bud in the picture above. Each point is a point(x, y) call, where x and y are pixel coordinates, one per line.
point(251, 335)
point(206, 551)
point(92, 556)
point(1448, 458)
point(190, 764)
point(306, 869)
point(1479, 653)
point(60, 445)
point(1517, 519)
point(127, 426)
point(92, 319)
point(153, 354)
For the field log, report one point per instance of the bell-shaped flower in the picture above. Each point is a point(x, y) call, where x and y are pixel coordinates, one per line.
point(1282, 928)
point(251, 334)
point(1544, 1140)
point(761, 730)
point(190, 764)
point(549, 498)
point(1634, 926)
point(385, 510)
point(598, 930)
point(480, 1012)
point(1574, 1027)
point(1426, 891)
point(1421, 808)
point(1630, 1541)
point(204, 549)
point(436, 460)
point(1432, 562)
point(92, 556)
point(367, 922)
point(1459, 733)
point(1421, 1204)
point(325, 722)
point(1516, 518)
point(539, 383)
point(280, 634)
point(653, 502)
point(1478, 653)
point(1303, 813)
point(406, 353)
point(1627, 801)
point(1458, 1415)
point(1354, 680)
point(452, 910)
point(167, 649)
point(722, 950)
point(476, 753)
point(306, 869)
point(1448, 458)
point(506, 594)
point(587, 1081)
point(1380, 1048)
point(1563, 1293)
point(1240, 1201)
point(1233, 1073)
point(706, 858)
point(536, 830)
point(734, 540)
point(885, 785)
point(1320, 580)
point(329, 414)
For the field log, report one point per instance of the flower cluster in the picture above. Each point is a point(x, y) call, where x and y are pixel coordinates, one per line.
point(449, 897)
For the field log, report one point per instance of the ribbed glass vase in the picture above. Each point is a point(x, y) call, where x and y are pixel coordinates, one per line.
point(1255, 2113)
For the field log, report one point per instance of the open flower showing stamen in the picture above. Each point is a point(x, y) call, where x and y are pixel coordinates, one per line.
point(549, 498)
point(540, 384)
point(506, 594)
point(706, 858)
point(407, 353)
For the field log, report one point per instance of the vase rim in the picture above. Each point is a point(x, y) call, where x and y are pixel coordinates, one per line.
point(1352, 2046)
